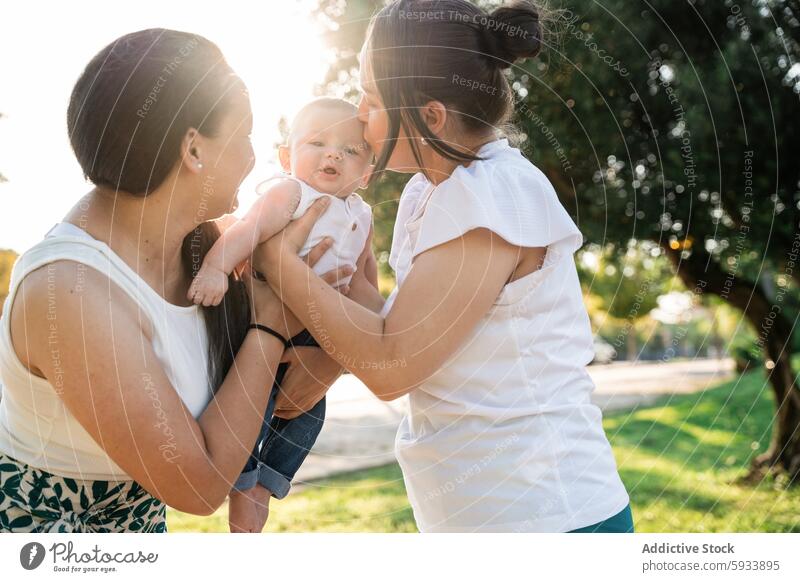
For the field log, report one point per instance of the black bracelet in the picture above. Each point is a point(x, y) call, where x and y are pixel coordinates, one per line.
point(270, 331)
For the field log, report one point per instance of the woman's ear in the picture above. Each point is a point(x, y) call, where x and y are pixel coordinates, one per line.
point(434, 114)
point(191, 151)
point(285, 158)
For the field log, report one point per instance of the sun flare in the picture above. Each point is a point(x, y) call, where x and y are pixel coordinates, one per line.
point(276, 48)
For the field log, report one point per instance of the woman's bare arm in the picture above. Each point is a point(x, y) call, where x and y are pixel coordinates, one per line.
point(312, 370)
point(449, 289)
point(363, 287)
point(110, 379)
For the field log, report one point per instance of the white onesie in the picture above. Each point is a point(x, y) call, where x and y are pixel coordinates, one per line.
point(347, 221)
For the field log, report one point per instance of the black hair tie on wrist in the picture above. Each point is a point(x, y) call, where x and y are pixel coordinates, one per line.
point(271, 332)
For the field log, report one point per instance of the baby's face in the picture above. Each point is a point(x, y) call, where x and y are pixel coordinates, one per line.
point(328, 152)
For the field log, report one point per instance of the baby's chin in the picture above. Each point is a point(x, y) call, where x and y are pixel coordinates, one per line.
point(341, 188)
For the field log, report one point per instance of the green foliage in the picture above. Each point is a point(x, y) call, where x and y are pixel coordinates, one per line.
point(7, 258)
point(662, 121)
point(746, 353)
point(627, 282)
point(685, 149)
point(348, 27)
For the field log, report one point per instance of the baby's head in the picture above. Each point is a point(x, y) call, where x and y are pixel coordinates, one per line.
point(326, 148)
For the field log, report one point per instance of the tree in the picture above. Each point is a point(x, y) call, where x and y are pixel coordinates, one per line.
point(625, 286)
point(674, 122)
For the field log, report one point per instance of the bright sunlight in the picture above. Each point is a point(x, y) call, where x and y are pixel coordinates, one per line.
point(275, 47)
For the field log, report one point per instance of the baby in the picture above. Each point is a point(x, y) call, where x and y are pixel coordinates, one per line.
point(326, 155)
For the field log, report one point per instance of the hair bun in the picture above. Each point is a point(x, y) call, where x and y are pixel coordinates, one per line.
point(512, 32)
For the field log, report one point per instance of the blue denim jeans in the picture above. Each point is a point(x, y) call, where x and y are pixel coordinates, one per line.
point(282, 445)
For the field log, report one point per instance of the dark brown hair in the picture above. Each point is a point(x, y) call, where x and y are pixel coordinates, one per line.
point(426, 50)
point(128, 114)
point(227, 322)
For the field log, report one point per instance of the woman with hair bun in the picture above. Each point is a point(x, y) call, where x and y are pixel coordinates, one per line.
point(486, 331)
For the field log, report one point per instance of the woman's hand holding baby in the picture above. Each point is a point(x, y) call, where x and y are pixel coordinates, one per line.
point(288, 242)
point(266, 305)
point(267, 309)
point(311, 373)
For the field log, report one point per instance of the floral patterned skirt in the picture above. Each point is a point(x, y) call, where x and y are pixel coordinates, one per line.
point(32, 500)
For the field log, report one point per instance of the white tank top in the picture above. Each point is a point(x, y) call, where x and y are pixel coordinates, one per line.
point(504, 436)
point(35, 426)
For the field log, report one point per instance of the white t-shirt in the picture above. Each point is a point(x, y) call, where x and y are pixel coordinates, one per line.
point(36, 427)
point(504, 436)
point(347, 221)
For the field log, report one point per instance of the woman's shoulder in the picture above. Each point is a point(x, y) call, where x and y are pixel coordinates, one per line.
point(66, 264)
point(69, 244)
point(503, 192)
point(502, 172)
point(65, 287)
point(63, 247)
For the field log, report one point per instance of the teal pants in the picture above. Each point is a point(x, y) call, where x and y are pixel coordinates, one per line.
point(619, 523)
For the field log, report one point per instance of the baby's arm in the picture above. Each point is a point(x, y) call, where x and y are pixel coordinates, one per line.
point(269, 215)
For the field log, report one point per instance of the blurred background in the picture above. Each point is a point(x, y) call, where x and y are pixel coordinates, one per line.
point(669, 130)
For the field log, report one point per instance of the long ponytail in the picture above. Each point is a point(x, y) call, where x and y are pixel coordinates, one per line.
point(227, 322)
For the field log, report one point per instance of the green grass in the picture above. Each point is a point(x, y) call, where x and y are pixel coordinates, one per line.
point(372, 500)
point(681, 461)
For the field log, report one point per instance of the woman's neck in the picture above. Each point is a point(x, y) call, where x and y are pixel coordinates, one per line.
point(440, 168)
point(145, 232)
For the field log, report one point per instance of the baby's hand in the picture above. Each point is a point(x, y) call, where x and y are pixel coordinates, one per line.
point(208, 287)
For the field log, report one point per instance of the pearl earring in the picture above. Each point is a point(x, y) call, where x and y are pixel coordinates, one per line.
point(199, 166)
point(424, 141)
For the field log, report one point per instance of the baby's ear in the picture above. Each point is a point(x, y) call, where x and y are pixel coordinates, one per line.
point(285, 158)
point(367, 175)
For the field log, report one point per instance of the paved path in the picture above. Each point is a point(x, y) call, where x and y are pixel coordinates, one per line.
point(359, 429)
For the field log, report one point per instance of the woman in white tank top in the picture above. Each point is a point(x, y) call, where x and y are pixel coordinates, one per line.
point(486, 331)
point(110, 406)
